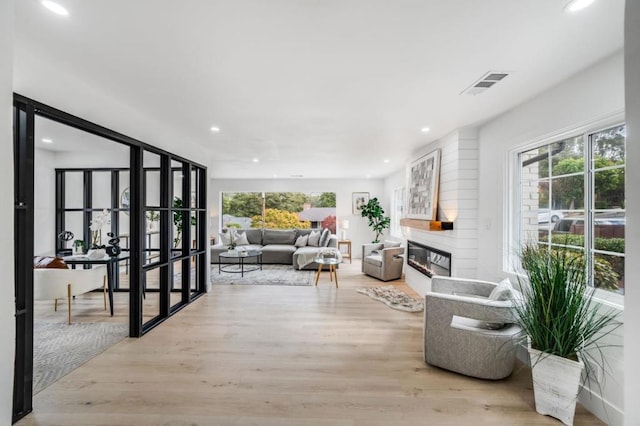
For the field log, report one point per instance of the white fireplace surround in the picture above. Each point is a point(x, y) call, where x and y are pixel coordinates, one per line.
point(457, 202)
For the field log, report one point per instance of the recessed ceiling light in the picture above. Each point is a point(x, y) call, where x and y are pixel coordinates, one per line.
point(367, 176)
point(576, 5)
point(47, 140)
point(55, 7)
point(425, 129)
point(255, 160)
point(215, 129)
point(386, 160)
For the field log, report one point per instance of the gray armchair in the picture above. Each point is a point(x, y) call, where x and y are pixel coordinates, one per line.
point(466, 332)
point(382, 263)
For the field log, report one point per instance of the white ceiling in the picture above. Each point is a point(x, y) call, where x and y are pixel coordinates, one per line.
point(320, 88)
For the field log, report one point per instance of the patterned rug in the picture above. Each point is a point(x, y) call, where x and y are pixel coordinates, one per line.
point(393, 298)
point(59, 348)
point(270, 275)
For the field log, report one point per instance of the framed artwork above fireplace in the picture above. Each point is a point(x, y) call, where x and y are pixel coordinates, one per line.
point(422, 196)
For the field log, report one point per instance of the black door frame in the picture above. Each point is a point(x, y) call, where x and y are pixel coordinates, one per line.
point(25, 111)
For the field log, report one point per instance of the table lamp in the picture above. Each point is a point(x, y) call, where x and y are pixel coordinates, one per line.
point(343, 232)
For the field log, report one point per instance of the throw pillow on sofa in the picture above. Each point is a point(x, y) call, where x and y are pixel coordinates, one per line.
point(302, 241)
point(241, 239)
point(503, 291)
point(314, 239)
point(324, 238)
point(225, 237)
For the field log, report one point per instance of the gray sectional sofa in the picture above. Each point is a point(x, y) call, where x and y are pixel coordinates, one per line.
point(278, 247)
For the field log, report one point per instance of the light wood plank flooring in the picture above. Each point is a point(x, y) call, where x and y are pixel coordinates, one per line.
point(279, 355)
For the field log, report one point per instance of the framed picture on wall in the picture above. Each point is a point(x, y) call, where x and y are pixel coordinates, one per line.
point(359, 199)
point(422, 197)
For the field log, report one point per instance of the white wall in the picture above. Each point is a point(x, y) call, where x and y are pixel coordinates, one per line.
point(590, 95)
point(76, 94)
point(457, 202)
point(632, 265)
point(594, 95)
point(396, 180)
point(44, 210)
point(46, 162)
point(7, 301)
point(358, 232)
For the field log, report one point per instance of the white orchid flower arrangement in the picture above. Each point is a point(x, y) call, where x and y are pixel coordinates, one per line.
point(97, 223)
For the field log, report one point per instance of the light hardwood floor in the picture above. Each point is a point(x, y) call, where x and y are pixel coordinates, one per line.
point(280, 355)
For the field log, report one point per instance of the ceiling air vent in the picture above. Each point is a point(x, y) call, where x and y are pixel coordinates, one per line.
point(485, 82)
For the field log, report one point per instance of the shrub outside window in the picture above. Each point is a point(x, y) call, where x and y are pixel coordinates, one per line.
point(279, 210)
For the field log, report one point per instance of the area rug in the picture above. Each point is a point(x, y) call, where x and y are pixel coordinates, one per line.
point(270, 275)
point(393, 298)
point(59, 348)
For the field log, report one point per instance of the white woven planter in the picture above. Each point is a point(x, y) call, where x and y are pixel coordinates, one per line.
point(556, 382)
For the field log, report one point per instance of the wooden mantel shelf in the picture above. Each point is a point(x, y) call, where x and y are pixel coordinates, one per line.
point(427, 225)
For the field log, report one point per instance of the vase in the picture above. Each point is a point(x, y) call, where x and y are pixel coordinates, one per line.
point(556, 382)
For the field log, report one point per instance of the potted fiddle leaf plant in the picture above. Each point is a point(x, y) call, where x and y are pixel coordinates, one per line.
point(378, 222)
point(79, 247)
point(562, 325)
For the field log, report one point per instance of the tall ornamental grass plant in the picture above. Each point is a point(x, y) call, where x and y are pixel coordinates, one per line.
point(556, 311)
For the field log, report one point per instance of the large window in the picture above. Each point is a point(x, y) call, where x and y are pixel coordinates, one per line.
point(565, 204)
point(279, 210)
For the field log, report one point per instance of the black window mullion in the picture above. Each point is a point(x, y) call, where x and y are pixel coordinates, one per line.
point(60, 212)
point(166, 185)
point(136, 241)
point(201, 198)
point(23, 145)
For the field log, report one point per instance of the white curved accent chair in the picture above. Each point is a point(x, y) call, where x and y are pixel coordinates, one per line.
point(51, 283)
point(466, 331)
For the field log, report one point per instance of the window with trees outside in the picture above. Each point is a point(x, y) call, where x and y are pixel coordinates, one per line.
point(279, 210)
point(564, 204)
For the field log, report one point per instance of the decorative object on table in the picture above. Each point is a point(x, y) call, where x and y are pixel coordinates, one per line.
point(358, 200)
point(393, 298)
point(95, 254)
point(329, 253)
point(79, 247)
point(113, 249)
point(424, 175)
point(562, 326)
point(232, 240)
point(97, 223)
point(378, 222)
point(64, 237)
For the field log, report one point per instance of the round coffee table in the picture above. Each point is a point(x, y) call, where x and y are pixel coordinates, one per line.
point(332, 262)
point(238, 267)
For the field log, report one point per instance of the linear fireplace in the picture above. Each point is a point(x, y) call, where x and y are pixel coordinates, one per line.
point(428, 260)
